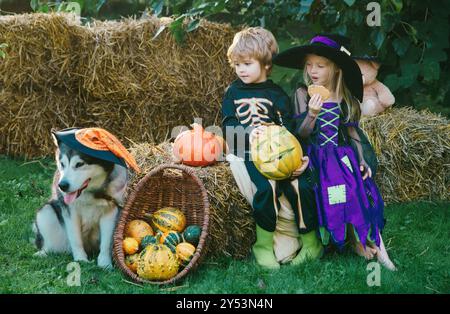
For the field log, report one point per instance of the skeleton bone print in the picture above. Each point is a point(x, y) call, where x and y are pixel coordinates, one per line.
point(254, 111)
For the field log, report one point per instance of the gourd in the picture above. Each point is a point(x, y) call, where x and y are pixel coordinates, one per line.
point(130, 245)
point(167, 219)
point(192, 234)
point(131, 262)
point(171, 239)
point(184, 252)
point(157, 262)
point(149, 239)
point(138, 229)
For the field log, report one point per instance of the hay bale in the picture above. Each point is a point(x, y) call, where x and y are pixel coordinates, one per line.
point(37, 113)
point(157, 84)
point(232, 229)
point(27, 119)
point(413, 150)
point(122, 61)
point(116, 60)
point(129, 83)
point(41, 51)
point(142, 120)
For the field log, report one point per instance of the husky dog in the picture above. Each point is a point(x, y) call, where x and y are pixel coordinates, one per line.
point(81, 215)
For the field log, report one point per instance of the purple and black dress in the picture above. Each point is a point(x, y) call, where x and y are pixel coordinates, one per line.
point(342, 196)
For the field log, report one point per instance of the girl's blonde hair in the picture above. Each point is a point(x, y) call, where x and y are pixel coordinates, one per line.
point(253, 42)
point(338, 86)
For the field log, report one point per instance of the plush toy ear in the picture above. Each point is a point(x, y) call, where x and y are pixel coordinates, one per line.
point(375, 65)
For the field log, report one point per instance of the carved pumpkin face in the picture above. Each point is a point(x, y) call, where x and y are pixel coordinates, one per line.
point(276, 153)
point(197, 147)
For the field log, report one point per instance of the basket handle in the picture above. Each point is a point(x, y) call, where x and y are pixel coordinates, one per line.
point(163, 169)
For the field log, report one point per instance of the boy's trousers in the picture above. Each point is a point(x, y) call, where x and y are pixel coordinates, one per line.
point(286, 207)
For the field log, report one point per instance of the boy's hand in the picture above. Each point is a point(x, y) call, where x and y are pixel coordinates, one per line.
point(365, 170)
point(299, 171)
point(315, 104)
point(256, 132)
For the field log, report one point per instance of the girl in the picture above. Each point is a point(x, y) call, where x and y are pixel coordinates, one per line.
point(340, 154)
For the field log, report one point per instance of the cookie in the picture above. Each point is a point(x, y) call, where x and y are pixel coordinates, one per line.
point(319, 89)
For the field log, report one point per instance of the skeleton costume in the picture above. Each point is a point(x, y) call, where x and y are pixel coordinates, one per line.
point(244, 107)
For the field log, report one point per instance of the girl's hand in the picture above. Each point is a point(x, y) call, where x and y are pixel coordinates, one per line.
point(315, 104)
point(365, 170)
point(299, 171)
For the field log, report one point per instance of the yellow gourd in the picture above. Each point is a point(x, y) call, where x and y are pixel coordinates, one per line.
point(132, 261)
point(130, 245)
point(157, 262)
point(184, 252)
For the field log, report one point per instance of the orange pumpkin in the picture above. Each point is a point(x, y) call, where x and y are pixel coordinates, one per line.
point(197, 147)
point(138, 229)
point(223, 143)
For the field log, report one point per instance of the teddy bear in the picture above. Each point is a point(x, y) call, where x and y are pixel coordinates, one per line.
point(377, 96)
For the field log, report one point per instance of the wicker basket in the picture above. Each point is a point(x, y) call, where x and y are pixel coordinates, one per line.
point(166, 185)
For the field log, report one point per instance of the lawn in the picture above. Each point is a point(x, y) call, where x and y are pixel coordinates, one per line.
point(416, 236)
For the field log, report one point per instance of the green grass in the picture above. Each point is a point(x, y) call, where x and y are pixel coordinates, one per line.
point(416, 236)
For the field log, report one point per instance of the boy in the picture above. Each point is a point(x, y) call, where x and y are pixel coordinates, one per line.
point(250, 103)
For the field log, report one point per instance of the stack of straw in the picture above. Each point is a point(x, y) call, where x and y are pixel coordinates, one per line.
point(413, 150)
point(117, 74)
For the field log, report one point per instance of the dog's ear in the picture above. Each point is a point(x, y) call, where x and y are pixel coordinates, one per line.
point(55, 139)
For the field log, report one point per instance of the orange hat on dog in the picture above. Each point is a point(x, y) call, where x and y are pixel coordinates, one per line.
point(98, 143)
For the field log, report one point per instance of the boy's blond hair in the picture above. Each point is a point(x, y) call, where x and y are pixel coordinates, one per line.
point(253, 42)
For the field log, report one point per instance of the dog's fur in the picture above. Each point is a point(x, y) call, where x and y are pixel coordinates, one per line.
point(85, 225)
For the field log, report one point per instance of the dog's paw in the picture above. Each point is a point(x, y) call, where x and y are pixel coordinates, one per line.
point(40, 253)
point(80, 257)
point(104, 261)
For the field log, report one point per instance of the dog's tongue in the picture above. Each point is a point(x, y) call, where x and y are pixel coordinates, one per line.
point(70, 197)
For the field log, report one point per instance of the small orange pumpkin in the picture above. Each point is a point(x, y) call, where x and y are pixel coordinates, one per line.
point(138, 229)
point(197, 147)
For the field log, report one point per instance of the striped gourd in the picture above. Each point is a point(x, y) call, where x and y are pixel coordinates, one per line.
point(169, 218)
point(184, 252)
point(147, 240)
point(171, 239)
